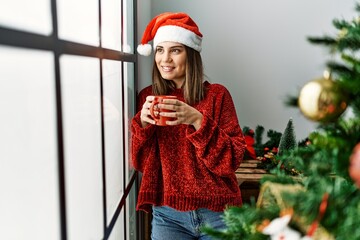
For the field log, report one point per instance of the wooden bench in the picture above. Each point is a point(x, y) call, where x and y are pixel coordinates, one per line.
point(248, 177)
point(249, 172)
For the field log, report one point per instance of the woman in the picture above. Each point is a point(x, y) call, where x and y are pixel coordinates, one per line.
point(189, 165)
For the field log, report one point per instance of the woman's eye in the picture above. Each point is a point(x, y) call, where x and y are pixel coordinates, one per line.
point(159, 50)
point(176, 50)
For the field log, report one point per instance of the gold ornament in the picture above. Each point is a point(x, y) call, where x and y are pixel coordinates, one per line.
point(322, 99)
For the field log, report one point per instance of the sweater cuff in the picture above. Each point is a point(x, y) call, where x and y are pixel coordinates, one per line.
point(200, 137)
point(140, 132)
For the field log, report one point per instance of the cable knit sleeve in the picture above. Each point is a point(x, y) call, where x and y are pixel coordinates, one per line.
point(219, 142)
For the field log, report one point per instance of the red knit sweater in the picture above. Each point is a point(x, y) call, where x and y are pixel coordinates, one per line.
point(187, 169)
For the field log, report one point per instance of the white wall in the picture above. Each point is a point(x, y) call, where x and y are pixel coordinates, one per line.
point(258, 49)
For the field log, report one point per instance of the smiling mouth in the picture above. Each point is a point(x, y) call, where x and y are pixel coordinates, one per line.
point(167, 69)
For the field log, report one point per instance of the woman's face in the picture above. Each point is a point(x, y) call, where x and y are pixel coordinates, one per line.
point(170, 58)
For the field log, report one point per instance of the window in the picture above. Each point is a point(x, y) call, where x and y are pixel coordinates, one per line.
point(67, 95)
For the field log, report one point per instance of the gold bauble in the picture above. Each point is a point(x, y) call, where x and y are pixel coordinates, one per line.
point(322, 100)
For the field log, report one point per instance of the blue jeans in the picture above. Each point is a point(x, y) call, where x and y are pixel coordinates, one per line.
point(170, 224)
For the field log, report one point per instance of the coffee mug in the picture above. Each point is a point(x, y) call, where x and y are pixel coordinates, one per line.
point(160, 120)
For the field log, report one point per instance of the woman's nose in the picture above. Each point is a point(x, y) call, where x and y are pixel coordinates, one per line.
point(167, 57)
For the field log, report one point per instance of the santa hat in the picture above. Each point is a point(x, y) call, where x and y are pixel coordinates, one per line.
point(172, 27)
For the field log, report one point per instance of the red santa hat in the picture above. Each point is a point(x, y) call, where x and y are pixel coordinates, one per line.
point(172, 27)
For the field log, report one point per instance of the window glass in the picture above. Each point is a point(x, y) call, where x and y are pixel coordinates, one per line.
point(111, 24)
point(79, 21)
point(28, 145)
point(118, 232)
point(80, 85)
point(128, 26)
point(129, 110)
point(113, 113)
point(27, 16)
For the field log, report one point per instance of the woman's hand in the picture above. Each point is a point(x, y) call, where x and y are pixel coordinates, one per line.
point(145, 116)
point(184, 113)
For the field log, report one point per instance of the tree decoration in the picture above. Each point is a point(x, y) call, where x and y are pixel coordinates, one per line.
point(288, 138)
point(249, 139)
point(322, 99)
point(354, 168)
point(323, 205)
point(267, 152)
point(278, 229)
point(272, 143)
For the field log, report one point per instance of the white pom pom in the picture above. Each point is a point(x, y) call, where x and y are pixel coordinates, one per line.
point(306, 238)
point(144, 49)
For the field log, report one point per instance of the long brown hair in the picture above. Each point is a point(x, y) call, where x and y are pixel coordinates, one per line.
point(193, 86)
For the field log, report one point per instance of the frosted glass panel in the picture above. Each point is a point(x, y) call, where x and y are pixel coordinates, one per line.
point(111, 24)
point(128, 26)
point(130, 110)
point(80, 86)
point(28, 146)
point(118, 232)
point(32, 16)
point(79, 21)
point(113, 134)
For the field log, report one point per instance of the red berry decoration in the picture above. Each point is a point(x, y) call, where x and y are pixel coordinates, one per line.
point(354, 167)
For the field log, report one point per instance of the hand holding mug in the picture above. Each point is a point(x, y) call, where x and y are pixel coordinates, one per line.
point(157, 113)
point(174, 111)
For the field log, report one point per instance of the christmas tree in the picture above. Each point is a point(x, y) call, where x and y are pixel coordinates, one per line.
point(288, 139)
point(322, 201)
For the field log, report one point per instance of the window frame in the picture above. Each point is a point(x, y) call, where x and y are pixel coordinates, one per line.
point(52, 43)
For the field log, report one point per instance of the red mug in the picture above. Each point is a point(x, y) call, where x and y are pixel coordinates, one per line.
point(160, 120)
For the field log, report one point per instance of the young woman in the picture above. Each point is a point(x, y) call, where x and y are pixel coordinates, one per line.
point(188, 167)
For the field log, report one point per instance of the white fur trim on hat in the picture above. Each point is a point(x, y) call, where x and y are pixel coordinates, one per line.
point(171, 33)
point(144, 49)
